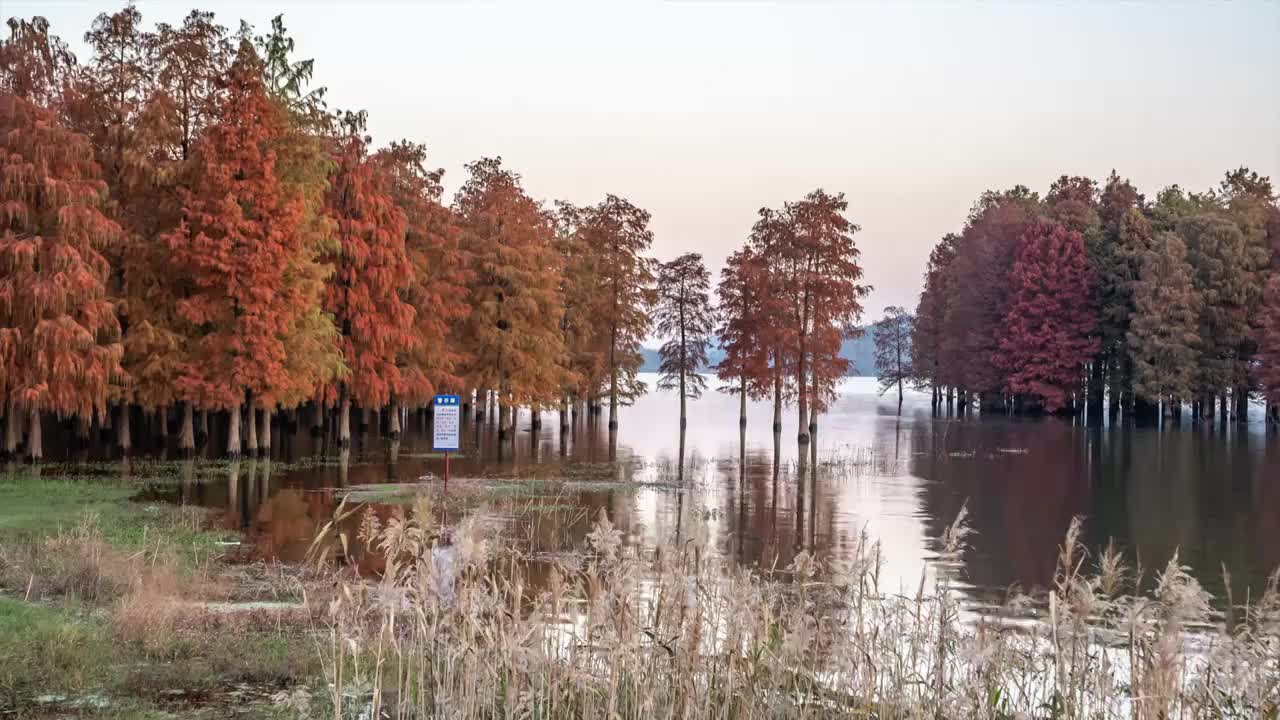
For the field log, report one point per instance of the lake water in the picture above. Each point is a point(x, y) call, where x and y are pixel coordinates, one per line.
point(1213, 494)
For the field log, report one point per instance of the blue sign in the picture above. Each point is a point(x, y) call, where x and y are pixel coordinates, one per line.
point(446, 421)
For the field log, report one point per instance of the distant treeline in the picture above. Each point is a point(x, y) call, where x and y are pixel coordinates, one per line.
point(1094, 297)
point(191, 236)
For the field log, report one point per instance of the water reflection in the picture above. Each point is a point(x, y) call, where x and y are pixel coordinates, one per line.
point(1212, 492)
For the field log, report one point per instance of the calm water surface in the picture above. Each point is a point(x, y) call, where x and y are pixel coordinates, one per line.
point(1211, 494)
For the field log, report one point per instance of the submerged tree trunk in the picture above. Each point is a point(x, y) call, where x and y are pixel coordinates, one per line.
point(124, 438)
point(162, 418)
point(394, 421)
point(251, 428)
point(12, 429)
point(504, 418)
point(233, 430)
point(35, 441)
point(344, 419)
point(264, 431)
point(777, 403)
point(1096, 390)
point(187, 433)
point(802, 434)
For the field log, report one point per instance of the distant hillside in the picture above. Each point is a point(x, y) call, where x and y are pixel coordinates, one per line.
point(861, 353)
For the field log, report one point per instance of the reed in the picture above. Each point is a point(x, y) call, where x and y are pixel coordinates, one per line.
point(452, 630)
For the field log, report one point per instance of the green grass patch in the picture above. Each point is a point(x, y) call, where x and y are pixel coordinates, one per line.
point(39, 506)
point(50, 649)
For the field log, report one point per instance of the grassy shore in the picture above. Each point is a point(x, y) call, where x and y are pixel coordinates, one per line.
point(114, 608)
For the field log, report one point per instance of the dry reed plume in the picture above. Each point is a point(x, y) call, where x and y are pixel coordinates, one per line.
point(450, 630)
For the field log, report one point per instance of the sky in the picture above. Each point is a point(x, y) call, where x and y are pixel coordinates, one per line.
point(704, 112)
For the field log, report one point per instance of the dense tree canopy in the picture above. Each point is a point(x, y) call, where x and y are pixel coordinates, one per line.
point(1046, 337)
point(1096, 297)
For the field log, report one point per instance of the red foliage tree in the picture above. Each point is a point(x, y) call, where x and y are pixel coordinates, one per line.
point(239, 234)
point(438, 291)
point(742, 332)
point(1047, 338)
point(980, 288)
point(59, 344)
point(930, 339)
point(372, 273)
point(825, 294)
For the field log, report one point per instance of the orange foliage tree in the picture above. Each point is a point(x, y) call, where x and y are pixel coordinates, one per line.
point(59, 338)
point(438, 290)
point(513, 337)
point(585, 356)
point(238, 236)
point(617, 234)
point(372, 274)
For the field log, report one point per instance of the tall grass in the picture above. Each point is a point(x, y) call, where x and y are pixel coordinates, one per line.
point(451, 630)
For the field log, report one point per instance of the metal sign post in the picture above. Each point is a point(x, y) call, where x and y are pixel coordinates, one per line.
point(444, 428)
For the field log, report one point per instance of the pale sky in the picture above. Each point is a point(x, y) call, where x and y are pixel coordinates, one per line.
point(703, 112)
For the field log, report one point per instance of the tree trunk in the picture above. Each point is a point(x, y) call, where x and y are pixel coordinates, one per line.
point(802, 434)
point(777, 405)
point(84, 428)
point(742, 403)
point(251, 429)
point(35, 442)
point(813, 413)
point(1242, 405)
point(394, 424)
point(233, 430)
point(535, 418)
point(344, 419)
point(124, 438)
point(317, 419)
point(900, 398)
point(1224, 412)
point(1097, 380)
point(12, 429)
point(162, 416)
point(187, 434)
point(564, 414)
point(264, 443)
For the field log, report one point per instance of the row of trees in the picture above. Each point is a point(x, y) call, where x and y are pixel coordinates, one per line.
point(190, 232)
point(188, 229)
point(787, 301)
point(1094, 296)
